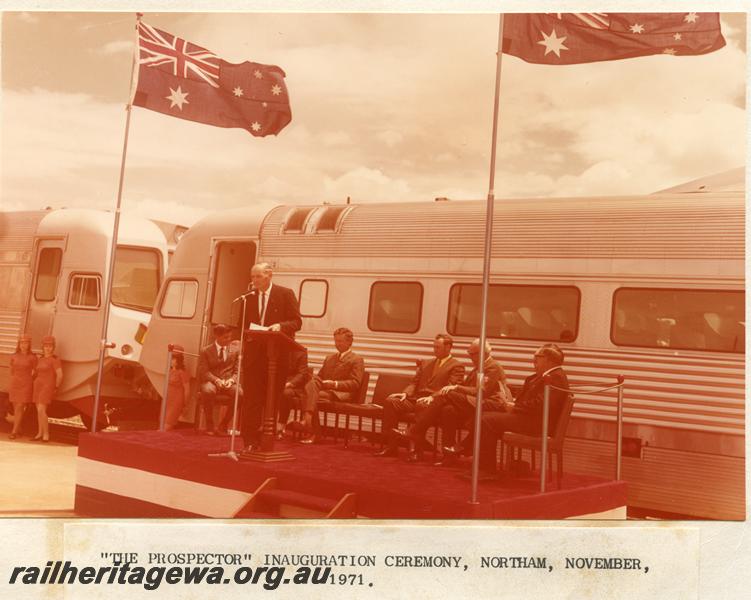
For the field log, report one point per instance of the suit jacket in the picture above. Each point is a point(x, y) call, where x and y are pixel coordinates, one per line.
point(298, 373)
point(494, 390)
point(281, 307)
point(530, 399)
point(428, 381)
point(347, 372)
point(211, 367)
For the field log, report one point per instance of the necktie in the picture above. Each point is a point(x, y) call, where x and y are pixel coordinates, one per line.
point(224, 354)
point(436, 366)
point(263, 307)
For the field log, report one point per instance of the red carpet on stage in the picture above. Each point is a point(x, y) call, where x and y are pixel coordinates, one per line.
point(154, 474)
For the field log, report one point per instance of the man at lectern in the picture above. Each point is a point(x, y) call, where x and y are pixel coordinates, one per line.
point(275, 308)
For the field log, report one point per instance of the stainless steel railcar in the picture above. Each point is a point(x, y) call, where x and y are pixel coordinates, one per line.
point(53, 269)
point(651, 287)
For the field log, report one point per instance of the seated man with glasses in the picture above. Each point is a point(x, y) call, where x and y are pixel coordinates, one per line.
point(526, 415)
point(454, 405)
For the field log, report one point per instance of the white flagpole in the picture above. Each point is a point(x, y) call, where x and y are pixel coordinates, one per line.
point(103, 344)
point(486, 265)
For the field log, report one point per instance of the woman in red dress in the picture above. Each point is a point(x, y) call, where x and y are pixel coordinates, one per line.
point(49, 375)
point(178, 389)
point(20, 392)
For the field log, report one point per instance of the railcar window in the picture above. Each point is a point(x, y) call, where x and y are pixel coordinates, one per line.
point(136, 280)
point(527, 312)
point(313, 297)
point(681, 319)
point(180, 299)
point(48, 271)
point(84, 291)
point(395, 306)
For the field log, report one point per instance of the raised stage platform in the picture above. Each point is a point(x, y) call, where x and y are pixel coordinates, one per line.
point(153, 474)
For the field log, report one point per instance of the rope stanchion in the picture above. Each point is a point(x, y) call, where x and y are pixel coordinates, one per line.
point(579, 390)
point(163, 407)
point(544, 441)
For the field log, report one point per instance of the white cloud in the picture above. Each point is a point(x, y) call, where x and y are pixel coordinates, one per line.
point(336, 138)
point(117, 47)
point(365, 185)
point(608, 177)
point(409, 121)
point(390, 138)
point(170, 211)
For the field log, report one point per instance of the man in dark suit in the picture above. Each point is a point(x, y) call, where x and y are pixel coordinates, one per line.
point(274, 307)
point(432, 375)
point(217, 374)
point(454, 405)
point(299, 392)
point(341, 374)
point(526, 415)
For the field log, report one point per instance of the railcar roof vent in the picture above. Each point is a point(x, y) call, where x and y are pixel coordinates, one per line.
point(329, 218)
point(296, 219)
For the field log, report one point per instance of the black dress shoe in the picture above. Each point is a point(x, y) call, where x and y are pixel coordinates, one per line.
point(452, 451)
point(413, 457)
point(447, 460)
point(387, 452)
point(400, 434)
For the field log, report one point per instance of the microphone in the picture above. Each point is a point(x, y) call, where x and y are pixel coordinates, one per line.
point(241, 296)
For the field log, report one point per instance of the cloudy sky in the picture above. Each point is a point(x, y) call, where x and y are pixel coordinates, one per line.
point(385, 108)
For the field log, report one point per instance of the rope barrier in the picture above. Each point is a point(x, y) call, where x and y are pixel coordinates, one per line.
point(578, 390)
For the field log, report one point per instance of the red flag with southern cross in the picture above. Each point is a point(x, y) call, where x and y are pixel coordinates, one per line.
point(570, 38)
point(180, 79)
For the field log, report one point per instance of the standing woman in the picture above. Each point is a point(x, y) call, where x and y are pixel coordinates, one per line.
point(178, 389)
point(49, 375)
point(21, 391)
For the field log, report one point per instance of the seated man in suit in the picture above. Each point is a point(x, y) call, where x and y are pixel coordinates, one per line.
point(432, 375)
point(341, 374)
point(454, 405)
point(526, 414)
point(217, 374)
point(299, 392)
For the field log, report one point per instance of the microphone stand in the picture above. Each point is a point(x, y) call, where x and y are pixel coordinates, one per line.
point(231, 453)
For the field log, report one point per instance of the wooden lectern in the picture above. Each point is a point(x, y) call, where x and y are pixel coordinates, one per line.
point(278, 345)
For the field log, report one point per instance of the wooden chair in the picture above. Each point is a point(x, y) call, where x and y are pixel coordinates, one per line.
point(534, 443)
point(346, 409)
point(387, 384)
point(223, 399)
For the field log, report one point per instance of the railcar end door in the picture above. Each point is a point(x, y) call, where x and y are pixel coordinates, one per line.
point(48, 263)
point(229, 277)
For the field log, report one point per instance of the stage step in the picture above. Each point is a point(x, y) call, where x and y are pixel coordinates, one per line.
point(280, 498)
point(269, 501)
